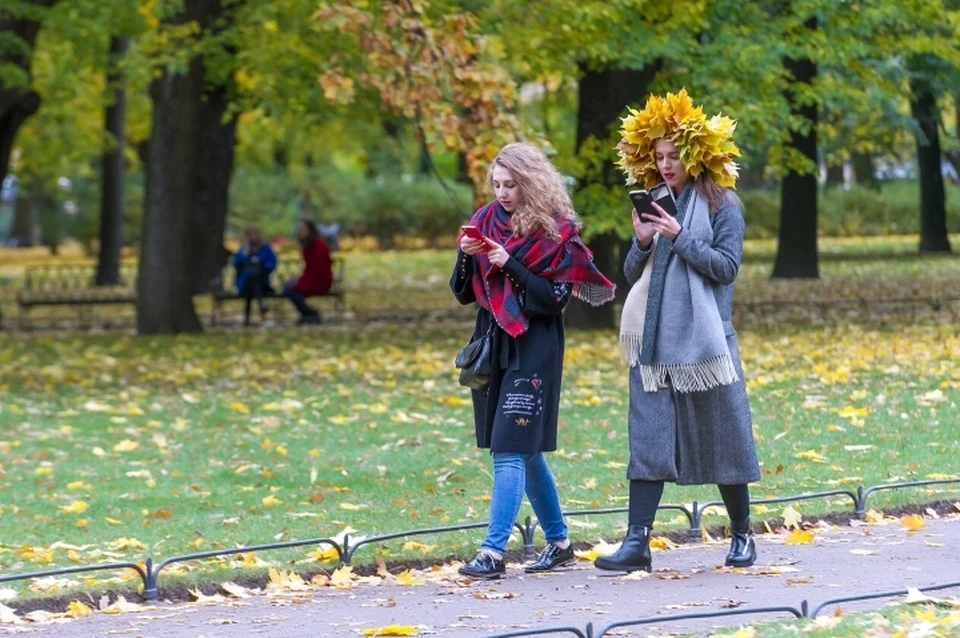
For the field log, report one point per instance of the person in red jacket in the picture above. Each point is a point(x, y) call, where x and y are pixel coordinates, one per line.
point(317, 276)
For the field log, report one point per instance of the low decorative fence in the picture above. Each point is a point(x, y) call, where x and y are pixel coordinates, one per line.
point(804, 611)
point(149, 573)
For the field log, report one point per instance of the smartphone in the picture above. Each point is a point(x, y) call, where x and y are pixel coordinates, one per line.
point(474, 233)
point(661, 194)
point(643, 202)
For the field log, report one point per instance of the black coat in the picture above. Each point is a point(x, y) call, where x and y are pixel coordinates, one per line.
point(518, 411)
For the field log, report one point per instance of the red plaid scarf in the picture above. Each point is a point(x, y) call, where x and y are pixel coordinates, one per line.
point(563, 260)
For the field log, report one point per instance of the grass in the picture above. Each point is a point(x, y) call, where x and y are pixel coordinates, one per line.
point(927, 619)
point(113, 446)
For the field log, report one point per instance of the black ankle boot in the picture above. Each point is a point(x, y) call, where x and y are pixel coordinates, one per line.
point(633, 555)
point(743, 551)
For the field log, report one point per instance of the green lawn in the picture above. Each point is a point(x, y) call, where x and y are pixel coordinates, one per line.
point(118, 447)
point(896, 621)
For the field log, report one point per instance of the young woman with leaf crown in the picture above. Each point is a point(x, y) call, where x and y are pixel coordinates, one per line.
point(521, 275)
point(689, 418)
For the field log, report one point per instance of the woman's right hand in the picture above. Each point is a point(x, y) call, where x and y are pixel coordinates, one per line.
point(643, 229)
point(471, 246)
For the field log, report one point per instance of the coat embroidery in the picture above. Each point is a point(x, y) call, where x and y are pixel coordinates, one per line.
point(524, 400)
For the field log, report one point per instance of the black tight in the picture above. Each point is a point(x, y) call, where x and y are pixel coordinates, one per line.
point(645, 497)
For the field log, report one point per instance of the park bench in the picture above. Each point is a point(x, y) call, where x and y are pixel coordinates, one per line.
point(72, 285)
point(286, 270)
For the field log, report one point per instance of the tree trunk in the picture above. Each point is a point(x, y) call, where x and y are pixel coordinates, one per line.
point(164, 291)
point(864, 170)
point(17, 103)
point(24, 229)
point(603, 94)
point(834, 176)
point(217, 129)
point(933, 209)
point(112, 171)
point(797, 239)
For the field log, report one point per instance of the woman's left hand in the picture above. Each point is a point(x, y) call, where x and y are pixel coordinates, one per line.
point(665, 224)
point(497, 254)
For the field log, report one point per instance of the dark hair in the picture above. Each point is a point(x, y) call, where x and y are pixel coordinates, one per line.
point(312, 232)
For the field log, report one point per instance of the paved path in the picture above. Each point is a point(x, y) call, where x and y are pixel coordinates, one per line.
point(839, 562)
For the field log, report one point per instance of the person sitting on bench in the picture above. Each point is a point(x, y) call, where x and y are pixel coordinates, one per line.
point(254, 262)
point(317, 276)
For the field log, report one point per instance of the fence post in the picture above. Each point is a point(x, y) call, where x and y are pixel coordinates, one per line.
point(695, 513)
point(150, 584)
point(861, 503)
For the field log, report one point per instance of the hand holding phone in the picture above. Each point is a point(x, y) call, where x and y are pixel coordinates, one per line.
point(474, 233)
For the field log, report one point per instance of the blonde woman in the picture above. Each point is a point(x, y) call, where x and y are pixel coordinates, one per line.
point(521, 274)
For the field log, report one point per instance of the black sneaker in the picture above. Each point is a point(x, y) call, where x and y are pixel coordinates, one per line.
point(485, 565)
point(550, 558)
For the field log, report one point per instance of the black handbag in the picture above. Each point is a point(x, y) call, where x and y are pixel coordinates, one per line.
point(475, 361)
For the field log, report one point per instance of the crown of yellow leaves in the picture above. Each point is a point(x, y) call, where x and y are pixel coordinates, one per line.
point(705, 144)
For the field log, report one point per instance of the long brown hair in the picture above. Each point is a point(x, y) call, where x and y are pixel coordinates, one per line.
point(543, 193)
point(710, 191)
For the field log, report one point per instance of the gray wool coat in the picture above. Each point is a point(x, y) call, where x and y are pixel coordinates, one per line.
point(699, 437)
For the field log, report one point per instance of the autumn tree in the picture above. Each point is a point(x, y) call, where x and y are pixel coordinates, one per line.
point(189, 165)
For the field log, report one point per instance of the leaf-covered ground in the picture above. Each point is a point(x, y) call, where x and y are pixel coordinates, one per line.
point(117, 447)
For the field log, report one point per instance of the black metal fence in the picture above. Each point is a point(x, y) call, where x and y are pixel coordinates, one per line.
point(804, 611)
point(150, 572)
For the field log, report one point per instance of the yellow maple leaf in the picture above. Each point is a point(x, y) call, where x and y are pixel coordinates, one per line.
point(287, 581)
point(343, 577)
point(799, 537)
point(392, 630)
point(661, 543)
point(913, 522)
point(602, 548)
point(242, 408)
point(113, 521)
point(43, 471)
point(271, 500)
point(127, 445)
point(76, 507)
point(77, 609)
point(746, 632)
point(409, 579)
point(326, 554)
point(415, 546)
point(791, 517)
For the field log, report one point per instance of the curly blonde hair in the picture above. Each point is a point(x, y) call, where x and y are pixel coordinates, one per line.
point(543, 192)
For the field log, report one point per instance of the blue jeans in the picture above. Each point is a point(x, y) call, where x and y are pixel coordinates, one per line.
point(514, 474)
point(299, 301)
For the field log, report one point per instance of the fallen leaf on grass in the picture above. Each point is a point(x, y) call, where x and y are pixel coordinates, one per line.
point(415, 546)
point(76, 507)
point(392, 630)
point(799, 537)
point(746, 632)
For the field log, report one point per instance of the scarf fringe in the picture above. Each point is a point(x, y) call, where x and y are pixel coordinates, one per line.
point(593, 294)
point(630, 345)
point(690, 377)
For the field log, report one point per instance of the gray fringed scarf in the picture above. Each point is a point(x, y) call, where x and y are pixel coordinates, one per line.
point(691, 351)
